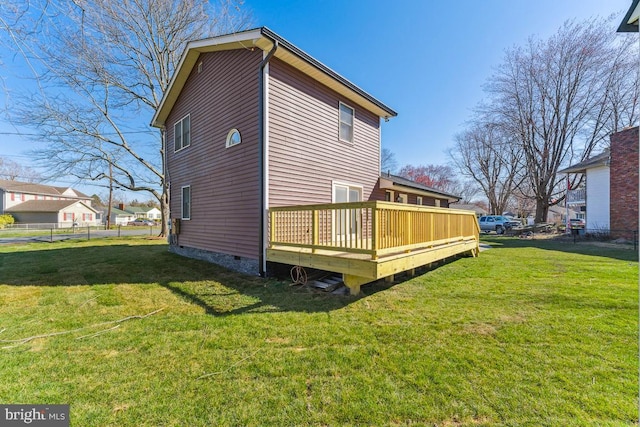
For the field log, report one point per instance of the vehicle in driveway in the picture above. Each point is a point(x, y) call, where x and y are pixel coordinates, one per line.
point(497, 223)
point(141, 221)
point(576, 223)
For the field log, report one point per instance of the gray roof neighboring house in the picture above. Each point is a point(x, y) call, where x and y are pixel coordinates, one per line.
point(601, 159)
point(46, 206)
point(40, 189)
point(412, 185)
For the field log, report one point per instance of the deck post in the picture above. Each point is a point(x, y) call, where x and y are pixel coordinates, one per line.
point(272, 227)
point(375, 232)
point(314, 230)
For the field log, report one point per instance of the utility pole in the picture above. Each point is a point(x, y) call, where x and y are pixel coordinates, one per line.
point(110, 196)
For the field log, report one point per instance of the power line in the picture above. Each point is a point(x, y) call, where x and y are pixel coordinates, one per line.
point(150, 131)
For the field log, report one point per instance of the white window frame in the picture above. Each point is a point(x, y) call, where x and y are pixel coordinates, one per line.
point(180, 124)
point(352, 124)
point(419, 200)
point(182, 203)
point(229, 135)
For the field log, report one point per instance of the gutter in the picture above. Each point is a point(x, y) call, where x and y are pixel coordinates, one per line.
point(261, 159)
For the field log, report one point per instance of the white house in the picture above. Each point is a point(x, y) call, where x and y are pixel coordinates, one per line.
point(594, 198)
point(38, 203)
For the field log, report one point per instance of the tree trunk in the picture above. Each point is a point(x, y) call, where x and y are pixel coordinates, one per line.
point(542, 209)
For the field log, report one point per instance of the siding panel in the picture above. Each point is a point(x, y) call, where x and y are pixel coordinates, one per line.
point(224, 181)
point(305, 153)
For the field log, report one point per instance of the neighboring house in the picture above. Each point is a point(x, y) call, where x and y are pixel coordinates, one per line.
point(154, 214)
point(609, 197)
point(142, 211)
point(393, 188)
point(62, 213)
point(38, 203)
point(253, 123)
point(593, 198)
point(122, 214)
point(120, 217)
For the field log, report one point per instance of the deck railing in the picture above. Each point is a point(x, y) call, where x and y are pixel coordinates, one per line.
point(374, 228)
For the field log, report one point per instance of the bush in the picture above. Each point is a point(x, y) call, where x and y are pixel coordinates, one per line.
point(5, 220)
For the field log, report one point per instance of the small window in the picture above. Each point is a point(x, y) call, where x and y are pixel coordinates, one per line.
point(182, 133)
point(346, 123)
point(418, 200)
point(87, 217)
point(388, 196)
point(186, 202)
point(233, 138)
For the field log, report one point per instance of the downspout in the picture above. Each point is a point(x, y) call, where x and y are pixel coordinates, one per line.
point(261, 158)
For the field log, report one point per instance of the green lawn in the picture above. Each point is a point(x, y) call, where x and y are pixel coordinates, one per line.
point(531, 333)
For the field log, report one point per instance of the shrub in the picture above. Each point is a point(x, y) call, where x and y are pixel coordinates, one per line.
point(5, 220)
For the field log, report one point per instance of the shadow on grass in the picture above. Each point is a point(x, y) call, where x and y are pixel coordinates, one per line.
point(610, 250)
point(217, 290)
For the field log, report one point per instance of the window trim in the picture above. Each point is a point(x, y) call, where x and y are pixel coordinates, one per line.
point(353, 121)
point(230, 134)
point(419, 200)
point(182, 134)
point(182, 216)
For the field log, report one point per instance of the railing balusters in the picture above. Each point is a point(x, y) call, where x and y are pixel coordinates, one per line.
point(373, 228)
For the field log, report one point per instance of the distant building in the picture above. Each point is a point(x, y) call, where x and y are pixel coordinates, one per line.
point(46, 204)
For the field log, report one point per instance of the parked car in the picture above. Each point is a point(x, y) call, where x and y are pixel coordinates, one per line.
point(141, 221)
point(497, 223)
point(576, 223)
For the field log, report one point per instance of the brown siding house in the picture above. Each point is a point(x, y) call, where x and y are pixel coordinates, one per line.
point(252, 122)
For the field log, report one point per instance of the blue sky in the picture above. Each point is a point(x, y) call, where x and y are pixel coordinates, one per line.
point(426, 59)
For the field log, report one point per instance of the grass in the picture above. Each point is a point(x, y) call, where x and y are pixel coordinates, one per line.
point(531, 333)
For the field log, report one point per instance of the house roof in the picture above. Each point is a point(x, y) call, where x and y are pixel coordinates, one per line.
point(47, 190)
point(601, 159)
point(395, 181)
point(137, 209)
point(629, 23)
point(264, 39)
point(46, 206)
point(117, 211)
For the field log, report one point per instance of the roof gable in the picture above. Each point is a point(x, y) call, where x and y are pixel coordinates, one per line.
point(264, 39)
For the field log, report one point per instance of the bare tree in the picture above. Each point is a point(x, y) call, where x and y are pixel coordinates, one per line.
point(485, 155)
point(101, 67)
point(438, 177)
point(388, 162)
point(13, 171)
point(559, 99)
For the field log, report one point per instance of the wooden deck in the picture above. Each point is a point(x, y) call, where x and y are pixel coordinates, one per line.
point(366, 241)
